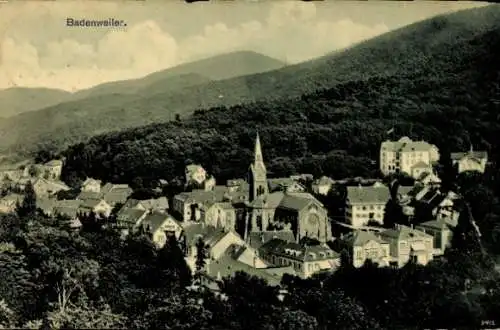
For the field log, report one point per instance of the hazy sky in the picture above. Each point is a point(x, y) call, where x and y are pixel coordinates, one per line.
point(39, 50)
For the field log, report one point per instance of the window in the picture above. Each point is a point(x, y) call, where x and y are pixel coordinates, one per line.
point(359, 254)
point(364, 208)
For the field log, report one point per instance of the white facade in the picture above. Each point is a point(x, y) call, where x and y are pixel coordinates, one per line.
point(404, 154)
point(375, 251)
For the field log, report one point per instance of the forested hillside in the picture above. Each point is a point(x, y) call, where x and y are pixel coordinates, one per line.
point(451, 107)
point(438, 48)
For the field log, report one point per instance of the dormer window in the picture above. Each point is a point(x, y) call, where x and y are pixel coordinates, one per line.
point(322, 254)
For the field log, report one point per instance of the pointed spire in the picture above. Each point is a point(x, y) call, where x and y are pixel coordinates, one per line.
point(258, 150)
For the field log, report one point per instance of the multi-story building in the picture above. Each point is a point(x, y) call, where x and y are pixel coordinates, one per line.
point(407, 243)
point(366, 203)
point(306, 260)
point(405, 155)
point(365, 245)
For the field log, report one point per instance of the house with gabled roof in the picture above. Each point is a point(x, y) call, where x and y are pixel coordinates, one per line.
point(161, 226)
point(130, 218)
point(155, 204)
point(98, 206)
point(91, 185)
point(306, 260)
point(407, 243)
point(115, 193)
point(67, 208)
point(323, 185)
point(365, 245)
point(217, 240)
point(470, 161)
point(47, 188)
point(248, 256)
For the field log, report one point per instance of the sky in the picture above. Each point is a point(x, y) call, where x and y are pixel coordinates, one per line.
point(37, 49)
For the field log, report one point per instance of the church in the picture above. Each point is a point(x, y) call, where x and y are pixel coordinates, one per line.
point(300, 212)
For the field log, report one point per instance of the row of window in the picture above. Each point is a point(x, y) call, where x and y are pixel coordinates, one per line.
point(373, 254)
point(368, 215)
point(412, 154)
point(297, 266)
point(368, 207)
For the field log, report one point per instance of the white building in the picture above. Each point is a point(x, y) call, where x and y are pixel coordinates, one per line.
point(405, 155)
point(366, 203)
point(470, 161)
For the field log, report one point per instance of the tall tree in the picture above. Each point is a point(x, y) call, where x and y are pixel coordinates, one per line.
point(201, 255)
point(28, 205)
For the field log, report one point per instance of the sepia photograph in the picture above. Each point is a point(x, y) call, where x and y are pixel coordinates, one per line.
point(249, 165)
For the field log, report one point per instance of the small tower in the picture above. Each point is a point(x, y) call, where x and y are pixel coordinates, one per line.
point(257, 175)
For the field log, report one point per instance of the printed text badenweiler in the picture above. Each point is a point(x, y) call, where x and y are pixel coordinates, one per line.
point(82, 22)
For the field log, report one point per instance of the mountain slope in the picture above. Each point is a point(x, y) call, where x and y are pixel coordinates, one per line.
point(435, 46)
point(17, 100)
point(335, 132)
point(218, 67)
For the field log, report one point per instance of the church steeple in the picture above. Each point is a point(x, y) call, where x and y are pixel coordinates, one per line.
point(257, 174)
point(258, 151)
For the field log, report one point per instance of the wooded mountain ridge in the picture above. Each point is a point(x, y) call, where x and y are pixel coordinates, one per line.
point(439, 47)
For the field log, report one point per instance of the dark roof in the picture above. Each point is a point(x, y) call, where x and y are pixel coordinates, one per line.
point(90, 203)
point(292, 202)
point(192, 231)
point(434, 224)
point(227, 266)
point(89, 195)
point(130, 203)
point(202, 196)
point(131, 215)
point(402, 232)
point(258, 238)
point(156, 219)
point(472, 154)
point(375, 195)
point(298, 252)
